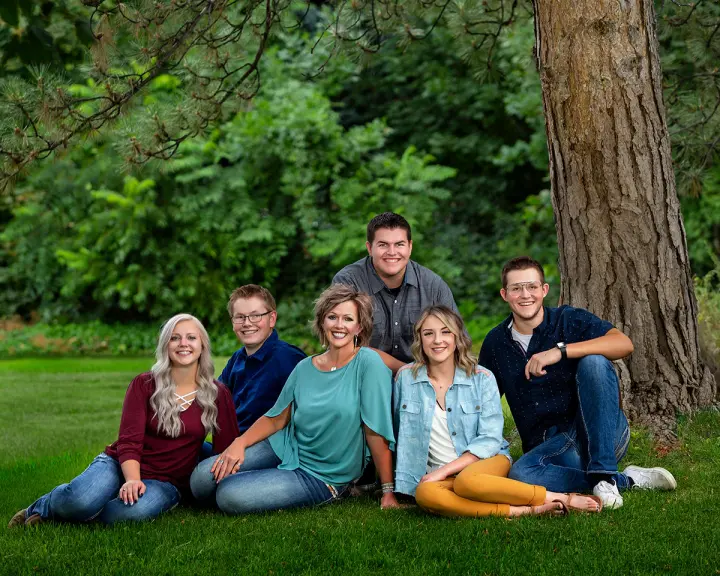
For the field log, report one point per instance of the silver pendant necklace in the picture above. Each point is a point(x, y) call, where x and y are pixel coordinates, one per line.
point(333, 368)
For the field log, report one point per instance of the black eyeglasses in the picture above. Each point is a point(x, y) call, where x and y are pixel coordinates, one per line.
point(254, 318)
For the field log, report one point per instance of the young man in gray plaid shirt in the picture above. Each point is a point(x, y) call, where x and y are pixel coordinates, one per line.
point(400, 288)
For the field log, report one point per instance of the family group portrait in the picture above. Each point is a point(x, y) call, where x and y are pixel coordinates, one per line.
point(359, 287)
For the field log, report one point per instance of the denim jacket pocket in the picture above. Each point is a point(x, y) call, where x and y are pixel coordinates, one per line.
point(410, 419)
point(471, 406)
point(410, 408)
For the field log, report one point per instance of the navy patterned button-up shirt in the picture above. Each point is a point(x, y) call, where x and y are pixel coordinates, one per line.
point(395, 316)
point(543, 402)
point(255, 381)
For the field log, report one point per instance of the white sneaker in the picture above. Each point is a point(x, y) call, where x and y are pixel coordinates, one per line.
point(651, 478)
point(608, 494)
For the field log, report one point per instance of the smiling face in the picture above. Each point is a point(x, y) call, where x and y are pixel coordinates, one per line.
point(438, 341)
point(390, 251)
point(524, 294)
point(185, 346)
point(252, 334)
point(341, 325)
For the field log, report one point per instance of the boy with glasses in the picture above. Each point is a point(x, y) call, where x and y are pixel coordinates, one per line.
point(554, 366)
point(257, 372)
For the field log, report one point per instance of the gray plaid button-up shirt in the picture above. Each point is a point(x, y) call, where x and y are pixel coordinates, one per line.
point(395, 316)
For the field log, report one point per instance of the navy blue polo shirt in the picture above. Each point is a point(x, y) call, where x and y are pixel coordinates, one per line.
point(255, 381)
point(545, 401)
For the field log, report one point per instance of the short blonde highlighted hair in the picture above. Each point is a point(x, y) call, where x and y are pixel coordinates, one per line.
point(464, 357)
point(248, 291)
point(337, 294)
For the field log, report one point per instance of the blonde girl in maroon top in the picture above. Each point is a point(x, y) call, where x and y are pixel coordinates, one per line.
point(165, 417)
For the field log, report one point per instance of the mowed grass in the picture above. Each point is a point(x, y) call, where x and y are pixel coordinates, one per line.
point(57, 414)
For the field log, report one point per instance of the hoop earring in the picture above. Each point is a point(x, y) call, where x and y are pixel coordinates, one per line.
point(355, 341)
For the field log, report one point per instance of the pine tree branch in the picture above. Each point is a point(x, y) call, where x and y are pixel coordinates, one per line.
point(210, 29)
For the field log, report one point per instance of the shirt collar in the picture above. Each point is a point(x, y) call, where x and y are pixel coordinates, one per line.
point(507, 325)
point(460, 377)
point(266, 347)
point(411, 276)
point(508, 322)
point(546, 319)
point(376, 283)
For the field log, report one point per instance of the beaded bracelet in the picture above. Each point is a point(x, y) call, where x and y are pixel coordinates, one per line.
point(388, 487)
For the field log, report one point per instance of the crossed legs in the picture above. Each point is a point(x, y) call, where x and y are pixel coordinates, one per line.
point(483, 489)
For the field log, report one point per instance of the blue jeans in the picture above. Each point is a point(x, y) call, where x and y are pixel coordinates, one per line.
point(259, 485)
point(206, 451)
point(569, 461)
point(93, 496)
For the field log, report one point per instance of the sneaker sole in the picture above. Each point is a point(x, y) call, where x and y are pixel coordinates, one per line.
point(613, 505)
point(667, 476)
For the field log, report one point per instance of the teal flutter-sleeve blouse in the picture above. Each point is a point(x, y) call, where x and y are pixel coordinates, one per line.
point(325, 436)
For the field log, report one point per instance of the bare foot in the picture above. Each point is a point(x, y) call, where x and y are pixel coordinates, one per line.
point(556, 508)
point(577, 502)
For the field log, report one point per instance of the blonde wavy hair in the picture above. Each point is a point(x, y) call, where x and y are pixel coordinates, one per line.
point(167, 410)
point(337, 294)
point(464, 357)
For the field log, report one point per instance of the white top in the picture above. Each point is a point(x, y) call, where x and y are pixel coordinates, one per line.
point(522, 339)
point(442, 449)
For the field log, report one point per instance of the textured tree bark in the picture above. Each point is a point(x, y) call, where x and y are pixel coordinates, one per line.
point(623, 252)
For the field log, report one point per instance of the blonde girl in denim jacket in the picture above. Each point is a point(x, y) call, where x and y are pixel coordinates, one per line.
point(448, 423)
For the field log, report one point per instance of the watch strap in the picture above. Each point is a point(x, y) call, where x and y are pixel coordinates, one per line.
point(563, 349)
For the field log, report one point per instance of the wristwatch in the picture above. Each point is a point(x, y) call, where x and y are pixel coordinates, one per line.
point(563, 349)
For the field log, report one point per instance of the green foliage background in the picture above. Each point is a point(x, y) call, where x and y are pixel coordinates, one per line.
point(280, 194)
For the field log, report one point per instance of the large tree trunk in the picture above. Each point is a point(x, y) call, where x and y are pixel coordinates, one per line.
point(623, 252)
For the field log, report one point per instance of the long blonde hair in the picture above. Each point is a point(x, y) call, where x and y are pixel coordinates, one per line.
point(167, 410)
point(464, 357)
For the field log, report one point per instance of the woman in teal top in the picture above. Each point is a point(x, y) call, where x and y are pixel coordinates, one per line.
point(309, 446)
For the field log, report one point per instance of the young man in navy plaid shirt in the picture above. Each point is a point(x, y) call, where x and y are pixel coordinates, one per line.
point(554, 366)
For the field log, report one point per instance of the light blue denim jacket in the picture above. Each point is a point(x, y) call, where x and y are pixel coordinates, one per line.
point(474, 419)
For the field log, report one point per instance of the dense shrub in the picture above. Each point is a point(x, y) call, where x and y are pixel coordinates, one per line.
point(281, 194)
point(96, 338)
point(707, 290)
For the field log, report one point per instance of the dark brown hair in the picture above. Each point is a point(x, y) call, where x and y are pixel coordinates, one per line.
point(388, 220)
point(521, 263)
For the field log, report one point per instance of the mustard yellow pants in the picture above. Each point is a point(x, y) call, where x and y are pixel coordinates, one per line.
point(481, 489)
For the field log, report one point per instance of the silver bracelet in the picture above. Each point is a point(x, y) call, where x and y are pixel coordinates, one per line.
point(388, 487)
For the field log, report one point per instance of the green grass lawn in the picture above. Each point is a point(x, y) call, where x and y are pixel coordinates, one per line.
point(57, 414)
